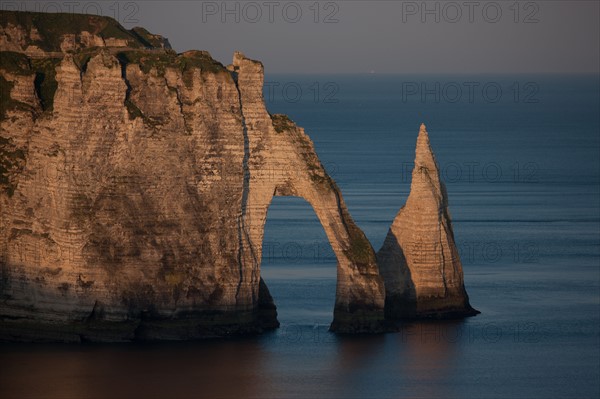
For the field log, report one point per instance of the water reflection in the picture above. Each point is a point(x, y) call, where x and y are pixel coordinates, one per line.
point(292, 362)
point(430, 353)
point(225, 369)
point(423, 360)
point(416, 362)
point(357, 366)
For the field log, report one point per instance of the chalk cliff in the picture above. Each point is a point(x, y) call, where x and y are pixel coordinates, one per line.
point(134, 189)
point(419, 261)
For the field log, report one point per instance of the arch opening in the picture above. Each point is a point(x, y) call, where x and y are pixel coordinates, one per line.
point(298, 263)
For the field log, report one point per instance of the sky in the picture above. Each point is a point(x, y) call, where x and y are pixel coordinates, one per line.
point(547, 36)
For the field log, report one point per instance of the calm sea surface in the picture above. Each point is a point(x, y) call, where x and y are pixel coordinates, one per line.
point(520, 158)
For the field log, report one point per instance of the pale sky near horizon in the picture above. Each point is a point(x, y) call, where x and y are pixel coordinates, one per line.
point(547, 36)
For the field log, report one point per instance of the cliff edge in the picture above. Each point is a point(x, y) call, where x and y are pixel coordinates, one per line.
point(134, 189)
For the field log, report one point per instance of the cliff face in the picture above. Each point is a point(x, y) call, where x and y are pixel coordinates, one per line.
point(419, 261)
point(134, 189)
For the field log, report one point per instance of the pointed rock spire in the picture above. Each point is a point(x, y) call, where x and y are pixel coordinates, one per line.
point(424, 157)
point(418, 261)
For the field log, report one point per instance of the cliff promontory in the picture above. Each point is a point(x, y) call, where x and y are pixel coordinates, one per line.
point(134, 189)
point(135, 184)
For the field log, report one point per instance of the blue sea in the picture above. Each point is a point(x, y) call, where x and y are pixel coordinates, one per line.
point(520, 155)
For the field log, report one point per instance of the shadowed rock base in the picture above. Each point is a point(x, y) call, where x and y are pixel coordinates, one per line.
point(362, 320)
point(398, 307)
point(146, 326)
point(199, 326)
point(267, 311)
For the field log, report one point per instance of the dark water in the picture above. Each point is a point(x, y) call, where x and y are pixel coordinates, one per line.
point(523, 176)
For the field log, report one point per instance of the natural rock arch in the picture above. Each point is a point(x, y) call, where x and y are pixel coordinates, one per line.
point(281, 161)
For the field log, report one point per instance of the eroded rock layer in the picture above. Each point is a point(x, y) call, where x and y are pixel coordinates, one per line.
point(134, 189)
point(419, 261)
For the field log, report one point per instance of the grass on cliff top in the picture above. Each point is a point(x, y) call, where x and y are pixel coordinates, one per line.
point(170, 59)
point(147, 60)
point(149, 39)
point(199, 59)
point(53, 26)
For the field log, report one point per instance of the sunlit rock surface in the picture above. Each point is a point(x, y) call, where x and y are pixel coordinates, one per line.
point(419, 261)
point(134, 188)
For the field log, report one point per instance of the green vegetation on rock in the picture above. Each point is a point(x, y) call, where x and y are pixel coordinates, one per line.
point(360, 251)
point(160, 61)
point(282, 123)
point(149, 39)
point(53, 26)
point(190, 60)
point(147, 61)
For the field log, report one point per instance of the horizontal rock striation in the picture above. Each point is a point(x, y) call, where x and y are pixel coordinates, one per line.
point(134, 189)
point(419, 261)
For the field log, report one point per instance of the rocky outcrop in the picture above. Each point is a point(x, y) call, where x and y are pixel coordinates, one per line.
point(419, 261)
point(151, 39)
point(281, 161)
point(134, 191)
